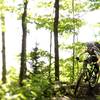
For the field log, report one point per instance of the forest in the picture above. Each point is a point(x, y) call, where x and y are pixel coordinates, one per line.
point(42, 49)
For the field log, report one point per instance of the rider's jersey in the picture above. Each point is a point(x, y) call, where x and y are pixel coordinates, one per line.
point(94, 49)
point(98, 56)
point(97, 51)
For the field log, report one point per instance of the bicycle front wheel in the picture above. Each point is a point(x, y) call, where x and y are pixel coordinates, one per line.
point(79, 90)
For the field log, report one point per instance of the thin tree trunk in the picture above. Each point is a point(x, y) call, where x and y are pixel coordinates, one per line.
point(50, 57)
point(3, 51)
point(56, 21)
point(73, 42)
point(23, 67)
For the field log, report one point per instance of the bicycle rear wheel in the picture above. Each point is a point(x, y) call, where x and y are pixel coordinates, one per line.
point(93, 80)
point(94, 77)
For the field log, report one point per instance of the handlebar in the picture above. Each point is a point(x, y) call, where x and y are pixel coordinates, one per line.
point(77, 58)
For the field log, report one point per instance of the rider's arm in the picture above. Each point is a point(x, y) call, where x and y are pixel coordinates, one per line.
point(78, 57)
point(97, 52)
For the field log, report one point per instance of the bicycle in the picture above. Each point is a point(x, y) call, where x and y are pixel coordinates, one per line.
point(88, 77)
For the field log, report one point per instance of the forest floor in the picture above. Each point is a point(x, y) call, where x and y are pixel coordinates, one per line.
point(97, 97)
point(88, 94)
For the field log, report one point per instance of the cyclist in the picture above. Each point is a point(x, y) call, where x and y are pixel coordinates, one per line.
point(93, 49)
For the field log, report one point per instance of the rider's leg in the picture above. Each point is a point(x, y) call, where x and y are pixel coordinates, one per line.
point(85, 64)
point(96, 69)
point(85, 69)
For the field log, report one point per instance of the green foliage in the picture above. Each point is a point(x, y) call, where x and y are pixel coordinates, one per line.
point(38, 60)
point(44, 22)
point(94, 4)
point(4, 6)
point(67, 25)
point(35, 87)
point(66, 5)
point(45, 4)
point(66, 22)
point(66, 68)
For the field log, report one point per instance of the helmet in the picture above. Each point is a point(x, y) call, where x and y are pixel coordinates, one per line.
point(90, 47)
point(89, 44)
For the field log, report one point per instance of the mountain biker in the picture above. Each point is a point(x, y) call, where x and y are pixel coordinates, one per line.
point(94, 53)
point(93, 49)
point(90, 74)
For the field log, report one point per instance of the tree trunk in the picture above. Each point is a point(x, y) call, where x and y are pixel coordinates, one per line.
point(49, 76)
point(73, 42)
point(56, 21)
point(23, 67)
point(3, 50)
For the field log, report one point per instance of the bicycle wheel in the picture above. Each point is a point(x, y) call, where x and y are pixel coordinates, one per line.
point(94, 78)
point(79, 90)
point(92, 81)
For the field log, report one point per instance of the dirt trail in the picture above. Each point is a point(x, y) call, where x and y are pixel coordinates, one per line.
point(78, 98)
